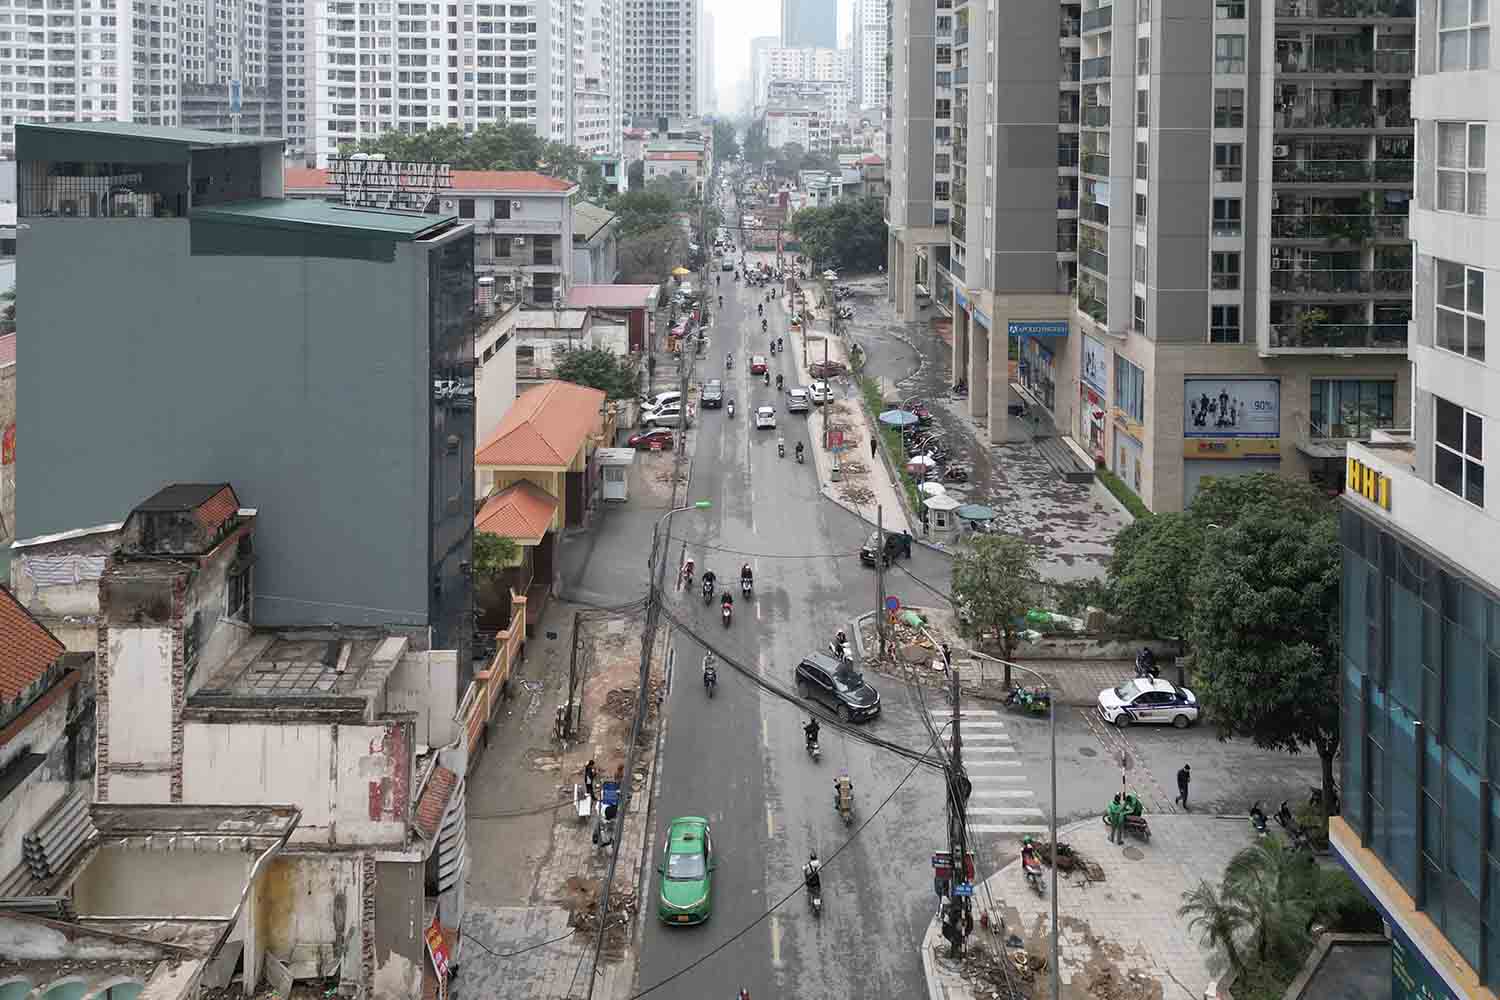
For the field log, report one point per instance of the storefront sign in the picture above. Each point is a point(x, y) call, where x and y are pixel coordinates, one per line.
point(1037, 328)
point(437, 950)
point(1412, 978)
point(1369, 483)
point(1231, 448)
point(8, 445)
point(1231, 408)
point(1094, 367)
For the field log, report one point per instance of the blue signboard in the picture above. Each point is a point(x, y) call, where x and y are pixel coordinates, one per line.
point(1038, 327)
point(964, 889)
point(610, 793)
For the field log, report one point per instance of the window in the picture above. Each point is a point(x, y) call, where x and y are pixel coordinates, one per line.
point(1142, 160)
point(1138, 315)
point(502, 208)
point(1224, 325)
point(1460, 168)
point(1227, 217)
point(1142, 108)
point(1229, 162)
point(1138, 264)
point(1351, 408)
point(1463, 35)
point(1226, 272)
point(1229, 108)
point(1140, 211)
point(940, 190)
point(466, 208)
point(1458, 459)
point(1130, 390)
point(1229, 54)
point(1229, 10)
point(1143, 57)
point(1460, 309)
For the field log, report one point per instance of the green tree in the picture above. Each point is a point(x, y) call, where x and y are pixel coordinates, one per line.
point(1220, 917)
point(648, 256)
point(640, 211)
point(726, 144)
point(1222, 500)
point(1265, 897)
point(847, 234)
point(599, 369)
point(756, 149)
point(995, 582)
point(8, 311)
point(1151, 574)
point(1264, 626)
point(492, 554)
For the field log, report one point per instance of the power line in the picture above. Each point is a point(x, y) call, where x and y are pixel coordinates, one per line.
point(471, 939)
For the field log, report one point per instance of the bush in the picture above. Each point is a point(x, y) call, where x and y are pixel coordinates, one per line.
point(1339, 905)
point(1123, 493)
point(1075, 597)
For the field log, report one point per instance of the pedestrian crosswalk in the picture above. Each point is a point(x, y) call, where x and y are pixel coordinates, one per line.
point(1000, 801)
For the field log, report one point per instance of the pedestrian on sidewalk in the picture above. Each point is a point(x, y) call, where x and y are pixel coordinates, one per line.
point(1115, 818)
point(1183, 777)
point(874, 447)
point(590, 775)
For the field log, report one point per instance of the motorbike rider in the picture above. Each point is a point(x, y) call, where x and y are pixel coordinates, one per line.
point(780, 344)
point(1029, 856)
point(687, 573)
point(840, 640)
point(811, 731)
point(1145, 662)
point(762, 326)
point(708, 581)
point(710, 672)
point(760, 309)
point(746, 576)
point(843, 784)
point(810, 873)
point(780, 381)
point(721, 302)
point(729, 360)
point(799, 451)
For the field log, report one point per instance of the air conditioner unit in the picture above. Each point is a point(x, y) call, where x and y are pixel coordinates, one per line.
point(1280, 151)
point(448, 206)
point(519, 241)
point(515, 205)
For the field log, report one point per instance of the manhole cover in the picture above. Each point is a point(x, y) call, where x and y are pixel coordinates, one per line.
point(1088, 751)
point(1133, 853)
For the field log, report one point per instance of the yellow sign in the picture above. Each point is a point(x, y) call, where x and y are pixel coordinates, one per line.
point(1242, 447)
point(1369, 483)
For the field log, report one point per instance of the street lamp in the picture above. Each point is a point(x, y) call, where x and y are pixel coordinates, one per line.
point(1052, 821)
point(656, 538)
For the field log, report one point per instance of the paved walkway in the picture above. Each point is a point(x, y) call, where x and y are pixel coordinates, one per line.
point(1125, 924)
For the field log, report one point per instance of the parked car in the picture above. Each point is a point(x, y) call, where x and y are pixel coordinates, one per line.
point(757, 364)
point(819, 393)
point(713, 395)
point(765, 417)
point(827, 369)
point(661, 399)
point(661, 437)
point(797, 401)
point(1147, 700)
point(837, 685)
point(667, 416)
point(687, 872)
point(726, 265)
point(897, 543)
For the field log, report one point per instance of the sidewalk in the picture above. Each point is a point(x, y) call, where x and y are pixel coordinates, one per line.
point(1124, 928)
point(536, 874)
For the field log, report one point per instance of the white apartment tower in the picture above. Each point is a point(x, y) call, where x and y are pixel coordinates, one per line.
point(663, 53)
point(867, 86)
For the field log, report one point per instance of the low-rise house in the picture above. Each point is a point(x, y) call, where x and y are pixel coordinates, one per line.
point(686, 159)
point(634, 305)
point(596, 258)
point(494, 363)
point(543, 337)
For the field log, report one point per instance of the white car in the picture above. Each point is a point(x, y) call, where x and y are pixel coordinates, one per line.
point(796, 401)
point(727, 265)
point(765, 417)
point(1144, 700)
point(667, 416)
point(661, 399)
point(819, 392)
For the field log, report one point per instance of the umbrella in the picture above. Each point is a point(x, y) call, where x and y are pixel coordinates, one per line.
point(681, 271)
point(941, 502)
point(921, 462)
point(977, 512)
point(932, 489)
point(898, 418)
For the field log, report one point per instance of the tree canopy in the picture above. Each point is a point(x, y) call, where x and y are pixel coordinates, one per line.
point(502, 146)
point(492, 554)
point(756, 148)
point(599, 369)
point(647, 256)
point(995, 582)
point(726, 145)
point(1151, 573)
point(639, 211)
point(848, 234)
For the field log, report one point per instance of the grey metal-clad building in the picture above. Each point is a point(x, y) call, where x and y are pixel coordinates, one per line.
point(194, 326)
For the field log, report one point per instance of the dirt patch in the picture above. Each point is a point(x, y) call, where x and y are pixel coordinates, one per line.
point(543, 760)
point(581, 899)
point(857, 495)
point(620, 703)
point(1110, 984)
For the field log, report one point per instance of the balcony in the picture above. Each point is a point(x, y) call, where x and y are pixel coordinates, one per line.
point(1069, 27)
point(1290, 281)
point(1329, 10)
point(1342, 171)
point(961, 76)
point(1067, 202)
point(1093, 260)
point(961, 35)
point(1092, 211)
point(1096, 164)
point(1339, 337)
point(1067, 114)
point(1067, 156)
point(1096, 68)
point(1304, 59)
point(1097, 19)
point(1067, 242)
point(1070, 71)
point(1353, 228)
point(1094, 309)
point(1096, 116)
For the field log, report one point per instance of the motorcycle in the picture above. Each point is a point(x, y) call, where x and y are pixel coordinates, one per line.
point(814, 889)
point(780, 449)
point(746, 585)
point(1031, 868)
point(710, 679)
point(799, 454)
point(843, 799)
point(730, 408)
point(1293, 829)
point(1258, 820)
point(948, 474)
point(840, 651)
point(1029, 701)
point(708, 592)
point(1145, 665)
point(727, 613)
point(813, 749)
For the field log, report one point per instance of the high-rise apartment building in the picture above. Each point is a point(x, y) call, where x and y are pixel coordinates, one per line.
point(706, 60)
point(1420, 756)
point(920, 130)
point(760, 66)
point(663, 56)
point(809, 24)
point(867, 63)
point(830, 67)
point(1243, 267)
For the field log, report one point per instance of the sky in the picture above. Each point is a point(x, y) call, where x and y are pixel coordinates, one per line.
point(736, 22)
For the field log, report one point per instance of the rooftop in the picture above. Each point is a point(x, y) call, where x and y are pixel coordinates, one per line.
point(612, 296)
point(27, 649)
point(522, 511)
point(7, 350)
point(551, 319)
point(339, 670)
point(189, 138)
point(589, 220)
point(544, 428)
point(300, 215)
point(257, 822)
point(434, 802)
point(479, 181)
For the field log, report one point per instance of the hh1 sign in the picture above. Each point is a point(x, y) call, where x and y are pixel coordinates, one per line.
point(1037, 328)
point(1372, 484)
point(1231, 408)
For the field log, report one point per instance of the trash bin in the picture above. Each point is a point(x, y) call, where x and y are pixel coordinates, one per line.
point(838, 473)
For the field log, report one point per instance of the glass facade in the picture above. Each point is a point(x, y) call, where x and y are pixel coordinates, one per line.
point(451, 322)
point(1421, 731)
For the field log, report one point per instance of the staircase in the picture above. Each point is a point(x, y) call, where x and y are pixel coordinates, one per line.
point(1064, 460)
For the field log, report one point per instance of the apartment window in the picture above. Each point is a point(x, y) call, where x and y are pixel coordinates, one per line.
point(1229, 162)
point(1463, 35)
point(502, 208)
point(942, 163)
point(1130, 390)
point(466, 208)
point(1138, 263)
point(940, 190)
point(1138, 315)
point(1142, 108)
point(1229, 10)
point(1351, 408)
point(1229, 54)
point(1227, 217)
point(1143, 57)
point(1142, 160)
point(1224, 325)
point(1229, 108)
point(1140, 211)
point(1460, 168)
point(1226, 272)
point(1458, 459)
point(1460, 309)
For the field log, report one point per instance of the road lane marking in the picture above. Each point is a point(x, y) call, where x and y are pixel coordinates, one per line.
point(966, 713)
point(1000, 749)
point(765, 732)
point(970, 725)
point(1002, 811)
point(1009, 828)
point(770, 822)
point(776, 940)
point(1001, 777)
point(1008, 793)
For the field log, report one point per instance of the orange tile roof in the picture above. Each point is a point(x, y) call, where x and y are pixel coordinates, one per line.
point(434, 801)
point(7, 349)
point(217, 509)
point(27, 649)
point(522, 511)
point(505, 181)
point(544, 428)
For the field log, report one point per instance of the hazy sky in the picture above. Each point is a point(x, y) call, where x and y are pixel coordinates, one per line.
point(738, 21)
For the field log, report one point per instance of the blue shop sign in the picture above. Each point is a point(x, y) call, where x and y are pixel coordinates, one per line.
point(1038, 328)
point(1412, 978)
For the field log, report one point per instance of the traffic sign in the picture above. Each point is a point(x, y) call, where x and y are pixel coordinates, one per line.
point(964, 889)
point(893, 603)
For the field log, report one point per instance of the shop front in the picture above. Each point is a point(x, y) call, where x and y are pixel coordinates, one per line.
point(1128, 456)
point(1038, 364)
point(1093, 391)
point(1231, 427)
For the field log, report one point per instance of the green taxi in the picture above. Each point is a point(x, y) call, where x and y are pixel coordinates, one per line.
point(686, 869)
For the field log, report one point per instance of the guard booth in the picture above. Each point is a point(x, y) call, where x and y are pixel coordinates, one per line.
point(614, 472)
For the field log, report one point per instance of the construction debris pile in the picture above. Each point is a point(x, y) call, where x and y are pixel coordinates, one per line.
point(1109, 984)
point(993, 975)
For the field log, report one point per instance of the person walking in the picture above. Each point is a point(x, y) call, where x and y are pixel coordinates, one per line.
point(1115, 817)
point(590, 775)
point(1183, 777)
point(874, 446)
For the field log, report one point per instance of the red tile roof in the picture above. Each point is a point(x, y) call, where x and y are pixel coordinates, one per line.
point(217, 509)
point(870, 159)
point(544, 428)
point(610, 296)
point(7, 350)
point(522, 511)
point(503, 181)
point(434, 800)
point(27, 649)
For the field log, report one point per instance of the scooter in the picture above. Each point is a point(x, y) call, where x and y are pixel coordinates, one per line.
point(746, 585)
point(815, 896)
point(814, 750)
point(1029, 701)
point(1293, 829)
point(708, 592)
point(730, 408)
point(799, 456)
point(840, 651)
point(727, 613)
point(1258, 820)
point(1146, 667)
point(710, 680)
point(1031, 867)
point(781, 449)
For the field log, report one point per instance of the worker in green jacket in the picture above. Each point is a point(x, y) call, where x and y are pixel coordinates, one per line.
point(1115, 818)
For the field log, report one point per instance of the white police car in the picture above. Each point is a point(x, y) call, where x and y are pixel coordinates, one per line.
point(1144, 700)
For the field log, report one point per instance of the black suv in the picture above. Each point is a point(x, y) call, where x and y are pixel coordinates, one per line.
point(897, 543)
point(713, 395)
point(839, 686)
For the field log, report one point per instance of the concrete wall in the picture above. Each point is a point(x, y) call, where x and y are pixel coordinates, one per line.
point(306, 908)
point(128, 882)
point(425, 685)
point(70, 609)
point(25, 805)
point(318, 413)
point(353, 783)
point(494, 387)
point(136, 714)
point(400, 945)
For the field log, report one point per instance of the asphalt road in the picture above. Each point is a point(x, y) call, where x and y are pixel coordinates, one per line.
point(739, 760)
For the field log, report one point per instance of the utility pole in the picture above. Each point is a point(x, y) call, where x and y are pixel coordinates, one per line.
point(958, 920)
point(880, 611)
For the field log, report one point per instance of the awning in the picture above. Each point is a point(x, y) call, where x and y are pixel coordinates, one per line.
point(1328, 450)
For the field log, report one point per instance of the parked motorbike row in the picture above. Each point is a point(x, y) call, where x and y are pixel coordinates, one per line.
point(1288, 823)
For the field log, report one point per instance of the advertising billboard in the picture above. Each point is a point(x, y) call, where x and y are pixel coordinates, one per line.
point(1094, 366)
point(1231, 407)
